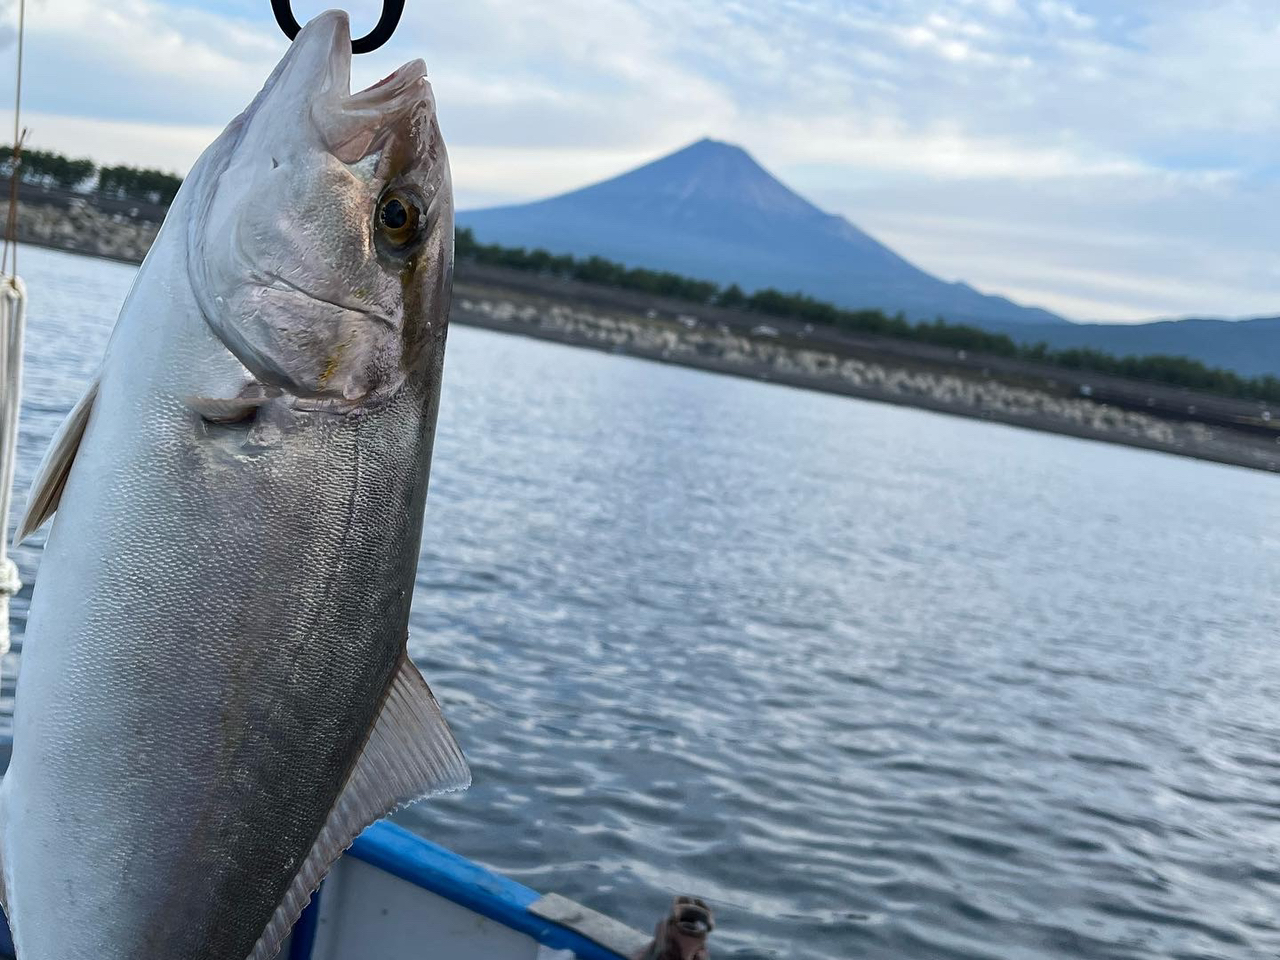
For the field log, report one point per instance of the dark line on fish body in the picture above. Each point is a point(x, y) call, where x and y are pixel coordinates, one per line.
point(422, 331)
point(277, 279)
point(412, 335)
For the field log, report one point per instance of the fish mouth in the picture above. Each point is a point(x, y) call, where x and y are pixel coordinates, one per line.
point(351, 123)
point(278, 283)
point(395, 103)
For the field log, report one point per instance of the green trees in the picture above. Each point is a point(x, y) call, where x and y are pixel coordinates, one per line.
point(731, 297)
point(121, 182)
point(589, 270)
point(138, 183)
point(42, 166)
point(1162, 368)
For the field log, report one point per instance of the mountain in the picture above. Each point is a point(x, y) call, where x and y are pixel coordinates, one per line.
point(1249, 347)
point(711, 211)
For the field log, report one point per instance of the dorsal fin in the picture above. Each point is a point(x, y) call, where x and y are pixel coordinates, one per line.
point(410, 754)
point(51, 477)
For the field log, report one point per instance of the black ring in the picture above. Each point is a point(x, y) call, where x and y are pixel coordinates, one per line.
point(392, 10)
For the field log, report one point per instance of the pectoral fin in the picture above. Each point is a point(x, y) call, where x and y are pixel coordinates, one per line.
point(410, 754)
point(51, 477)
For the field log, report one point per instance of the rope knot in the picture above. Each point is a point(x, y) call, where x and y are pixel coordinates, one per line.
point(10, 582)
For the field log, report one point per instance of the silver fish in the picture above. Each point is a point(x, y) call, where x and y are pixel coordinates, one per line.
point(215, 696)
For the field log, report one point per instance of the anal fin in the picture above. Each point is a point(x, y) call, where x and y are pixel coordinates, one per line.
point(410, 754)
point(51, 477)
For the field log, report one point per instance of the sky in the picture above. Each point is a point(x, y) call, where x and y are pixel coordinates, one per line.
point(1113, 160)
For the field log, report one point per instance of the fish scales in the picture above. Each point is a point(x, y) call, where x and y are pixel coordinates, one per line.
point(223, 601)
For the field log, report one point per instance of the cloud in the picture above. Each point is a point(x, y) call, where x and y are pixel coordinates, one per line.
point(172, 147)
point(1059, 12)
point(1099, 248)
point(1051, 129)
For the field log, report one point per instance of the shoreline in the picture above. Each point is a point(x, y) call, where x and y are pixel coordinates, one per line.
point(824, 385)
point(911, 385)
point(995, 389)
point(91, 254)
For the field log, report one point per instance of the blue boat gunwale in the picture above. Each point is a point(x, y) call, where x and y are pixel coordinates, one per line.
point(438, 870)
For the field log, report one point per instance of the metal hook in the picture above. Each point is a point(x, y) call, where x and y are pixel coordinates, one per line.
point(380, 34)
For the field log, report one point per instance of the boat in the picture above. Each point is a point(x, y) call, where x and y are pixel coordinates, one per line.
point(395, 894)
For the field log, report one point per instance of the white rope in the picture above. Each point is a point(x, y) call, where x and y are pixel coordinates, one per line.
point(15, 160)
point(13, 315)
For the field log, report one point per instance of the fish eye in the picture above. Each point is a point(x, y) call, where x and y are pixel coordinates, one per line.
point(399, 218)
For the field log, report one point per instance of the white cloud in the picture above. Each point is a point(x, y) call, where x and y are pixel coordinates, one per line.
point(1060, 12)
point(171, 147)
point(487, 176)
point(1098, 248)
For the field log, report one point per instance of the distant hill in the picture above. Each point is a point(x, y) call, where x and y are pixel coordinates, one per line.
point(711, 211)
point(1249, 347)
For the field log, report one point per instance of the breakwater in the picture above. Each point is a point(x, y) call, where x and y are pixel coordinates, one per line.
point(920, 383)
point(70, 223)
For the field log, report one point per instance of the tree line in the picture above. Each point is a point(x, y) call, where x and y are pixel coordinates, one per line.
point(1176, 371)
point(119, 182)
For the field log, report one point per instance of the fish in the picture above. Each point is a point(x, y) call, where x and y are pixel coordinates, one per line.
point(216, 695)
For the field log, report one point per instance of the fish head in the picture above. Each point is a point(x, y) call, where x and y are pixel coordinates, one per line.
point(321, 245)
